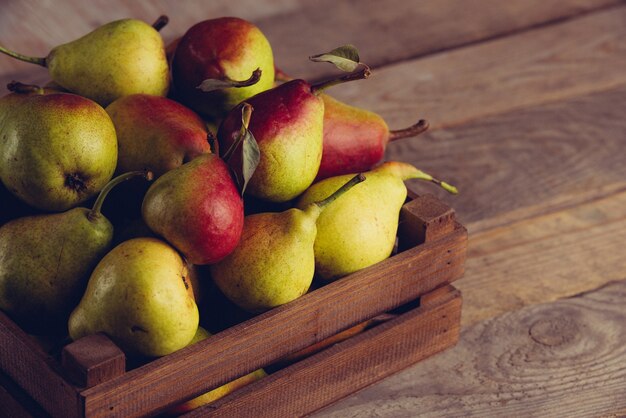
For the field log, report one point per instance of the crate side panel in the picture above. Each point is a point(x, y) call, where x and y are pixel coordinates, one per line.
point(348, 366)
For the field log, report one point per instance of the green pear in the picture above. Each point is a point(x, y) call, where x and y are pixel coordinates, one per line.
point(360, 229)
point(56, 149)
point(274, 262)
point(217, 393)
point(140, 297)
point(117, 59)
point(45, 262)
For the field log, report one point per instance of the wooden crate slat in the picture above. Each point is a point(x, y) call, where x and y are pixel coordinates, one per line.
point(256, 343)
point(348, 366)
point(36, 372)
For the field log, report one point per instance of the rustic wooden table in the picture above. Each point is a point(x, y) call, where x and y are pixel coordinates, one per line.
point(527, 104)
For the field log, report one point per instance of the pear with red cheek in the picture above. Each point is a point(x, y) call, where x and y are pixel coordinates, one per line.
point(228, 50)
point(197, 208)
point(288, 126)
point(155, 133)
point(355, 139)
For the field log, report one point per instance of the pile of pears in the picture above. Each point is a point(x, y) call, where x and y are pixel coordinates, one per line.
point(209, 157)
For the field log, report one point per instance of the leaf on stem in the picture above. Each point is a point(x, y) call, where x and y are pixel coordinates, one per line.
point(346, 58)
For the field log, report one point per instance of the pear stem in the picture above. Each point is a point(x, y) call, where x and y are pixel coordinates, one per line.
point(21, 88)
point(330, 199)
point(213, 144)
point(95, 211)
point(420, 175)
point(160, 22)
point(246, 114)
point(413, 130)
point(365, 72)
point(25, 58)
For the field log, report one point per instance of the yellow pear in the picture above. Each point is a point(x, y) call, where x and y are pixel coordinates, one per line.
point(117, 59)
point(274, 262)
point(360, 229)
point(139, 296)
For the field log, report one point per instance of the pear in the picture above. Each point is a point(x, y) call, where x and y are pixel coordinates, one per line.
point(274, 262)
point(288, 125)
point(139, 297)
point(355, 139)
point(117, 59)
point(360, 229)
point(227, 50)
point(197, 208)
point(45, 262)
point(155, 133)
point(56, 150)
point(217, 393)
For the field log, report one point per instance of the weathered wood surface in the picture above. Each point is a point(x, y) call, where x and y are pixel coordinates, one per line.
point(548, 63)
point(530, 161)
point(562, 359)
point(545, 258)
point(384, 31)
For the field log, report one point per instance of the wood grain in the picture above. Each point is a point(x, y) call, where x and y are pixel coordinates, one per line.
point(551, 63)
point(566, 358)
point(353, 364)
point(15, 403)
point(384, 31)
point(23, 361)
point(394, 30)
point(545, 258)
point(529, 161)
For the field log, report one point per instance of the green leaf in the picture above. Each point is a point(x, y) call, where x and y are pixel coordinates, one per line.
point(251, 156)
point(346, 58)
point(211, 84)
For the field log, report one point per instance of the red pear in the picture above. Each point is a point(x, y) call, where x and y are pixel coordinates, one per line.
point(155, 133)
point(227, 49)
point(197, 208)
point(287, 124)
point(355, 139)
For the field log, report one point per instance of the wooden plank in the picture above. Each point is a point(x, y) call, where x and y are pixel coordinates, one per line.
point(529, 161)
point(384, 31)
point(543, 259)
point(255, 343)
point(23, 361)
point(394, 30)
point(347, 366)
point(563, 359)
point(550, 63)
point(15, 403)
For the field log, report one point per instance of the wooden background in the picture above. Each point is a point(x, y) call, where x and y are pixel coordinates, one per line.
point(527, 103)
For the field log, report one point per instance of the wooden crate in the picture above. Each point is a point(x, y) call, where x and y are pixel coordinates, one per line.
point(91, 380)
